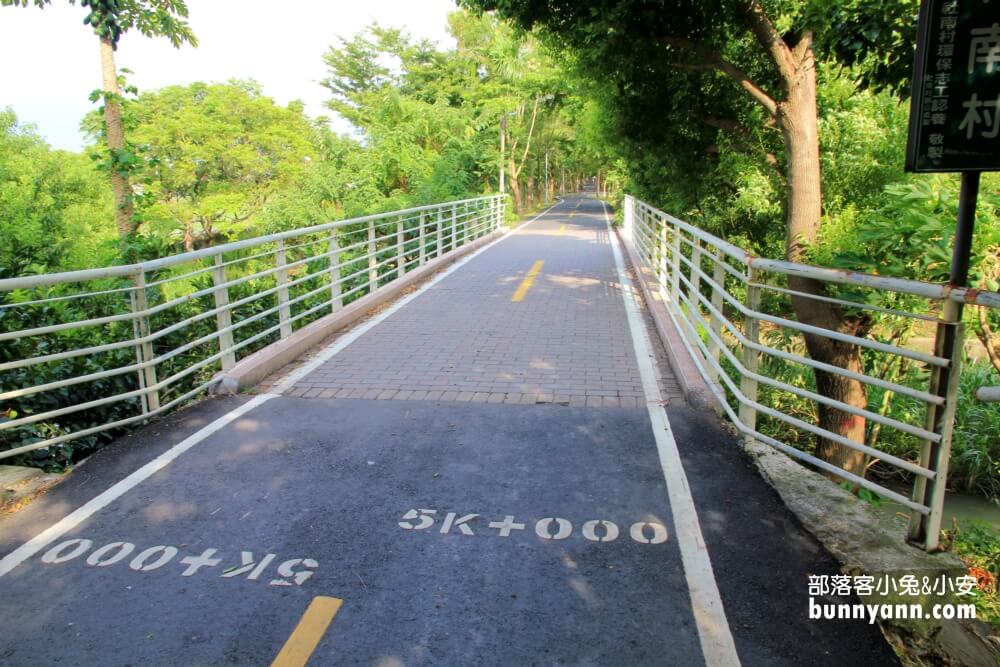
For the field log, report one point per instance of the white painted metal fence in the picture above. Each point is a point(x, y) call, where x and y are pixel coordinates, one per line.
point(85, 353)
point(732, 309)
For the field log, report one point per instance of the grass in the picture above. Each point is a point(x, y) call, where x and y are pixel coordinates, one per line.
point(978, 545)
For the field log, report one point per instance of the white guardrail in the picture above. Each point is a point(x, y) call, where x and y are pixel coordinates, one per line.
point(85, 353)
point(714, 293)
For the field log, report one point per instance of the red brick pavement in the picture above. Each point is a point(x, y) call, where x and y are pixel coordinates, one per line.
point(464, 339)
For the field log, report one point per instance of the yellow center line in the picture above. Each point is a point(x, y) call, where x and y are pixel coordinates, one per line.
point(525, 285)
point(307, 634)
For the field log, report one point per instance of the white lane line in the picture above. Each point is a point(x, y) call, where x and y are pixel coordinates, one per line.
point(338, 345)
point(99, 502)
point(717, 644)
point(85, 511)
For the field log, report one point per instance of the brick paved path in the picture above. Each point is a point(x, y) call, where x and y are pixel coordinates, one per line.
point(566, 341)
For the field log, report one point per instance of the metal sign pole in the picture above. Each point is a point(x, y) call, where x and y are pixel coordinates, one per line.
point(948, 343)
point(954, 127)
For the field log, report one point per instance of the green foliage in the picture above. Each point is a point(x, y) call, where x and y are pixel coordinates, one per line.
point(210, 157)
point(53, 206)
point(110, 19)
point(864, 494)
point(210, 163)
point(975, 465)
point(980, 541)
point(431, 118)
point(910, 233)
point(978, 544)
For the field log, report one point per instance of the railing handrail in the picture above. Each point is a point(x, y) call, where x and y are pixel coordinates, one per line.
point(128, 270)
point(284, 287)
point(919, 288)
point(721, 329)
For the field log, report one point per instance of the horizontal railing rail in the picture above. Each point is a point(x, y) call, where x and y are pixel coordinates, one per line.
point(737, 322)
point(84, 354)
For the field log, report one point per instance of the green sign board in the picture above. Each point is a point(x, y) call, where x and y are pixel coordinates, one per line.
point(955, 106)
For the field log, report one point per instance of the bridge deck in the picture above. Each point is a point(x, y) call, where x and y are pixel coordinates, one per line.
point(505, 501)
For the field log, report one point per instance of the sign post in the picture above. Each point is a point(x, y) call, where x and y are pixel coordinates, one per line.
point(954, 127)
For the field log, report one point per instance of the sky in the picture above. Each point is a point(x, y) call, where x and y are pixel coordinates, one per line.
point(49, 61)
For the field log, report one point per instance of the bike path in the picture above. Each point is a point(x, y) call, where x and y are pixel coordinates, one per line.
point(501, 521)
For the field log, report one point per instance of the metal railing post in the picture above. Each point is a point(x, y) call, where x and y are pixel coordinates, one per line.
point(223, 315)
point(336, 300)
point(695, 274)
point(942, 457)
point(422, 239)
point(627, 223)
point(939, 419)
point(144, 350)
point(465, 224)
point(400, 248)
point(372, 260)
point(675, 269)
point(662, 251)
point(715, 322)
point(440, 232)
point(751, 357)
point(284, 311)
point(452, 227)
point(473, 226)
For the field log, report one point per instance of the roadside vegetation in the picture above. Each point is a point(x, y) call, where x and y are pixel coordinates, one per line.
point(213, 162)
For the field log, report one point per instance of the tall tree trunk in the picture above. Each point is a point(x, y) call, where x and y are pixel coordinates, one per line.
point(115, 137)
point(515, 168)
point(188, 237)
point(515, 186)
point(798, 121)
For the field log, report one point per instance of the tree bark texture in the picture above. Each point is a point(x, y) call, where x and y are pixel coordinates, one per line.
point(115, 138)
point(796, 116)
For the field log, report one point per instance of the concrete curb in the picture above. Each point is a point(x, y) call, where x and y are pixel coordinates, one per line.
point(692, 384)
point(262, 363)
point(866, 542)
point(19, 485)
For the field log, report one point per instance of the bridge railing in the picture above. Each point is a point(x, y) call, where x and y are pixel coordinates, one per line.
point(734, 313)
point(85, 353)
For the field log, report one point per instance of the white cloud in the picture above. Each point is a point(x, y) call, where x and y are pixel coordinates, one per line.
point(50, 59)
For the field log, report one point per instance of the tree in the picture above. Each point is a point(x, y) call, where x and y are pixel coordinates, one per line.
point(53, 205)
point(768, 52)
point(213, 156)
point(434, 116)
point(110, 19)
